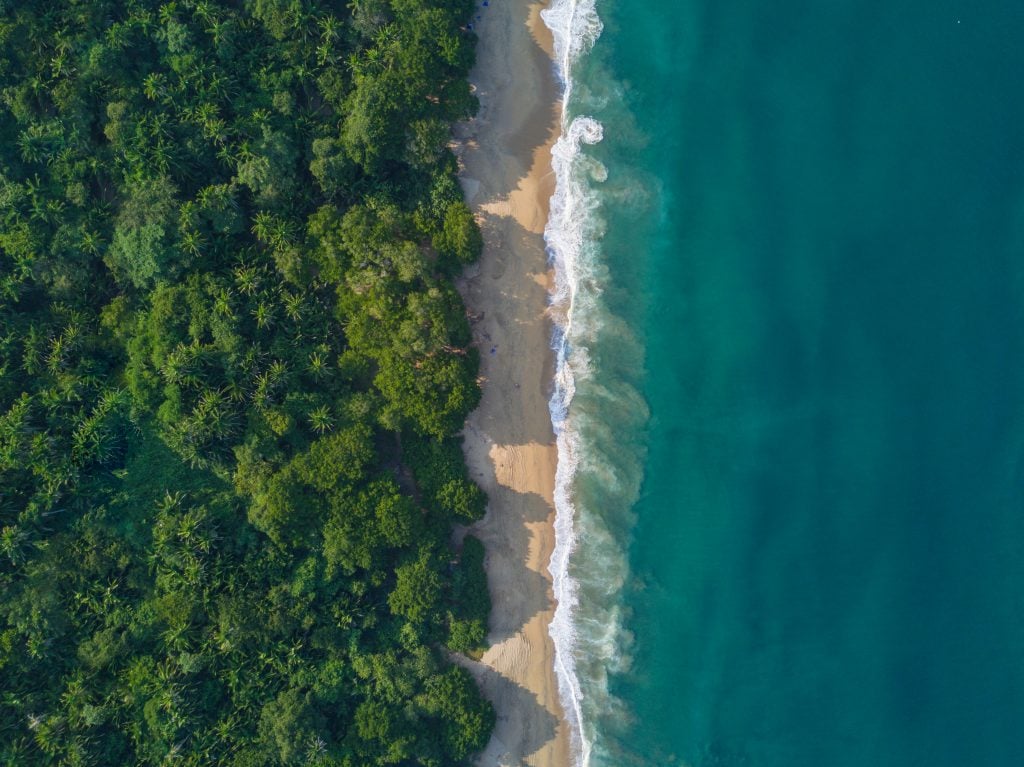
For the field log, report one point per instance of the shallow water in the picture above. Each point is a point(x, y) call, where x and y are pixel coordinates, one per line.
point(797, 355)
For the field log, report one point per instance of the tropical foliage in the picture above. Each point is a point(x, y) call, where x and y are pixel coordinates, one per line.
point(232, 371)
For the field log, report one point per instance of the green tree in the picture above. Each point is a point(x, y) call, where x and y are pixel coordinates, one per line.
point(143, 249)
point(417, 588)
point(372, 130)
point(229, 335)
point(291, 727)
point(459, 242)
point(268, 169)
point(466, 720)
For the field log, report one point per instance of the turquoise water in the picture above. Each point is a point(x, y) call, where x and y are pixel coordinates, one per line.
point(798, 421)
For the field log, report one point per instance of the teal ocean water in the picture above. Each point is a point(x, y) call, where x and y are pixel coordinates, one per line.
point(790, 245)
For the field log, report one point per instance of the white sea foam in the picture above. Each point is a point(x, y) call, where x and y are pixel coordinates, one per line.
point(575, 27)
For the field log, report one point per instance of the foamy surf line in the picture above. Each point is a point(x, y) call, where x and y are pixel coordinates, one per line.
point(575, 26)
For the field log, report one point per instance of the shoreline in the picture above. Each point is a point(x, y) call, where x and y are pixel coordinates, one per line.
point(507, 177)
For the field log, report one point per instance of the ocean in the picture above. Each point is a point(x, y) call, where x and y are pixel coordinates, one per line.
point(789, 248)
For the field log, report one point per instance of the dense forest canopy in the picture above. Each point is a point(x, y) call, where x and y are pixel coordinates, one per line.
point(233, 371)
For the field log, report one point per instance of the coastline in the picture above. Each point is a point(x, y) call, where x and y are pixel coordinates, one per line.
point(510, 444)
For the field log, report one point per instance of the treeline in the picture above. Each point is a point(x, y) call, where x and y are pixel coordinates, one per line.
point(232, 371)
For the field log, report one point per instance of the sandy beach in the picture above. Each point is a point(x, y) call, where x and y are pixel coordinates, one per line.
point(510, 447)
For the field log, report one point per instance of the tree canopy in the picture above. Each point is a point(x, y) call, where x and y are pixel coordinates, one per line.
point(234, 370)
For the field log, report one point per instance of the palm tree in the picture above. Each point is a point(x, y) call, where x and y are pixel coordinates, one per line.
point(153, 86)
point(222, 303)
point(318, 363)
point(292, 305)
point(181, 366)
point(192, 241)
point(330, 29)
point(90, 242)
point(217, 31)
point(264, 315)
point(263, 391)
point(15, 751)
point(14, 540)
point(320, 419)
point(208, 118)
point(214, 415)
point(247, 280)
point(162, 154)
point(203, 10)
point(57, 358)
point(48, 734)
